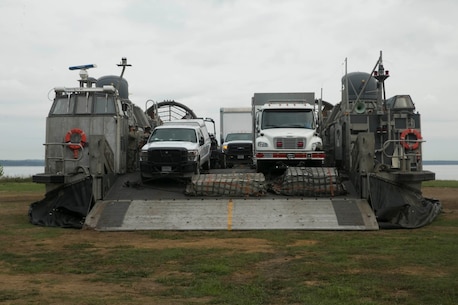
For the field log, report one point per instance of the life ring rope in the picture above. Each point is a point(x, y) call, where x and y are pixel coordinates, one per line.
point(405, 143)
point(80, 144)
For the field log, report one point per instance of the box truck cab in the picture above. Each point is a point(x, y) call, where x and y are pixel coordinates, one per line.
point(285, 131)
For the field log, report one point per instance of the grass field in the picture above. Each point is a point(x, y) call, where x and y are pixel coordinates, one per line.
point(66, 266)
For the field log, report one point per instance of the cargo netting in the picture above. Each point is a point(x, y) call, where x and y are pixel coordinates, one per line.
point(309, 181)
point(233, 184)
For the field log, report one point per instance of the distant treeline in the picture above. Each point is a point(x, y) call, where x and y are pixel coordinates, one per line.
point(22, 162)
point(42, 162)
point(440, 162)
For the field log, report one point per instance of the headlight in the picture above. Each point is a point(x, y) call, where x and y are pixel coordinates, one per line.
point(225, 147)
point(317, 146)
point(263, 144)
point(192, 155)
point(143, 155)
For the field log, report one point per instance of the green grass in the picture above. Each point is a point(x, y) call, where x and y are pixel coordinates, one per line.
point(385, 267)
point(19, 185)
point(411, 267)
point(441, 183)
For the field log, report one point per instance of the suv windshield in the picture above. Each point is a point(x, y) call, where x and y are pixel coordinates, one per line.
point(173, 134)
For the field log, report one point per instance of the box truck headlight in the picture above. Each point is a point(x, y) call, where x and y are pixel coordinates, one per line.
point(263, 144)
point(317, 146)
point(192, 154)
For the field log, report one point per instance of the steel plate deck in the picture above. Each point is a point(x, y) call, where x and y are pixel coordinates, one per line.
point(232, 214)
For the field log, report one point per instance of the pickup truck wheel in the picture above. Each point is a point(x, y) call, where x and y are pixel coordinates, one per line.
point(206, 165)
point(144, 179)
point(261, 167)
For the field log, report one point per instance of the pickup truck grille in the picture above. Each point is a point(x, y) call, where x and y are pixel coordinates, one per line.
point(167, 156)
point(290, 143)
point(240, 148)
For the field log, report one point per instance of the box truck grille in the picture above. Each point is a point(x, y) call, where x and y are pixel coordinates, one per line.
point(290, 143)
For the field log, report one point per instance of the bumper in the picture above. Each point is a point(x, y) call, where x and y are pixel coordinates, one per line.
point(151, 169)
point(238, 158)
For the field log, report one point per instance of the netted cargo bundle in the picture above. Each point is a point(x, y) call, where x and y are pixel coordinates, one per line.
point(309, 181)
point(232, 184)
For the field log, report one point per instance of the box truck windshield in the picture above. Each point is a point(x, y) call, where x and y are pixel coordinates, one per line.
point(287, 118)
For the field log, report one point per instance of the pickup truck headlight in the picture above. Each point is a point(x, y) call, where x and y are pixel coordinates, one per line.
point(263, 144)
point(192, 155)
point(143, 155)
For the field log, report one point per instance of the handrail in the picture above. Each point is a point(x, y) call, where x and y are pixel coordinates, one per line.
point(62, 153)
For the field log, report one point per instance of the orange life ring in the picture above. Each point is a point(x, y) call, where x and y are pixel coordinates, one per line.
point(410, 146)
point(75, 147)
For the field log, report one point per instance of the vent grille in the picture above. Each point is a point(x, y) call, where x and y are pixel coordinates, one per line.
point(290, 143)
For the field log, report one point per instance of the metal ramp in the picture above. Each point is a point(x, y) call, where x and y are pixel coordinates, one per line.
point(232, 214)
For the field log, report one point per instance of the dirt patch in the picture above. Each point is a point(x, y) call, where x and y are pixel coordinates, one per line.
point(448, 198)
point(54, 288)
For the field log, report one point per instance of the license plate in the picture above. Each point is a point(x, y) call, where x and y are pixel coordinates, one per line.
point(240, 157)
point(166, 169)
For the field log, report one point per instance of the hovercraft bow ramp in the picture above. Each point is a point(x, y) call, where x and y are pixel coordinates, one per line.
point(234, 201)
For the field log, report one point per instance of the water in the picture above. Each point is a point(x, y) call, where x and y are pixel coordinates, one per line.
point(22, 171)
point(443, 172)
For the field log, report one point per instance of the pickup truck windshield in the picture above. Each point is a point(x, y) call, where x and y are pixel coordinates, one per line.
point(287, 118)
point(239, 136)
point(174, 134)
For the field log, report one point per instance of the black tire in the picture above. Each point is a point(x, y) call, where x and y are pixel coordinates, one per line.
point(213, 163)
point(223, 162)
point(144, 179)
point(206, 165)
point(261, 167)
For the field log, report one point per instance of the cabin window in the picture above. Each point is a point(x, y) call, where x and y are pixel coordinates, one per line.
point(104, 104)
point(63, 105)
point(83, 104)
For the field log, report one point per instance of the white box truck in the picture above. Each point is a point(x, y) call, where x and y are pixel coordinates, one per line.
point(236, 133)
point(285, 132)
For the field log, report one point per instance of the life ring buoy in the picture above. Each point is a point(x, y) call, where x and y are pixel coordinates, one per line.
point(406, 144)
point(81, 143)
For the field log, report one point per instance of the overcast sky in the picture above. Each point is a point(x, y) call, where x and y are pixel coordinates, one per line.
point(209, 54)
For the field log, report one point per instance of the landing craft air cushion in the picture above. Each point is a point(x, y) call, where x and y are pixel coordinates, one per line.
point(88, 186)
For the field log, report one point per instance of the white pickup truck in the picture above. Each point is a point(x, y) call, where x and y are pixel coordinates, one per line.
point(176, 148)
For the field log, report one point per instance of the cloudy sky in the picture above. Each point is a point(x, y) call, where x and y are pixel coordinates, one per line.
point(209, 54)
